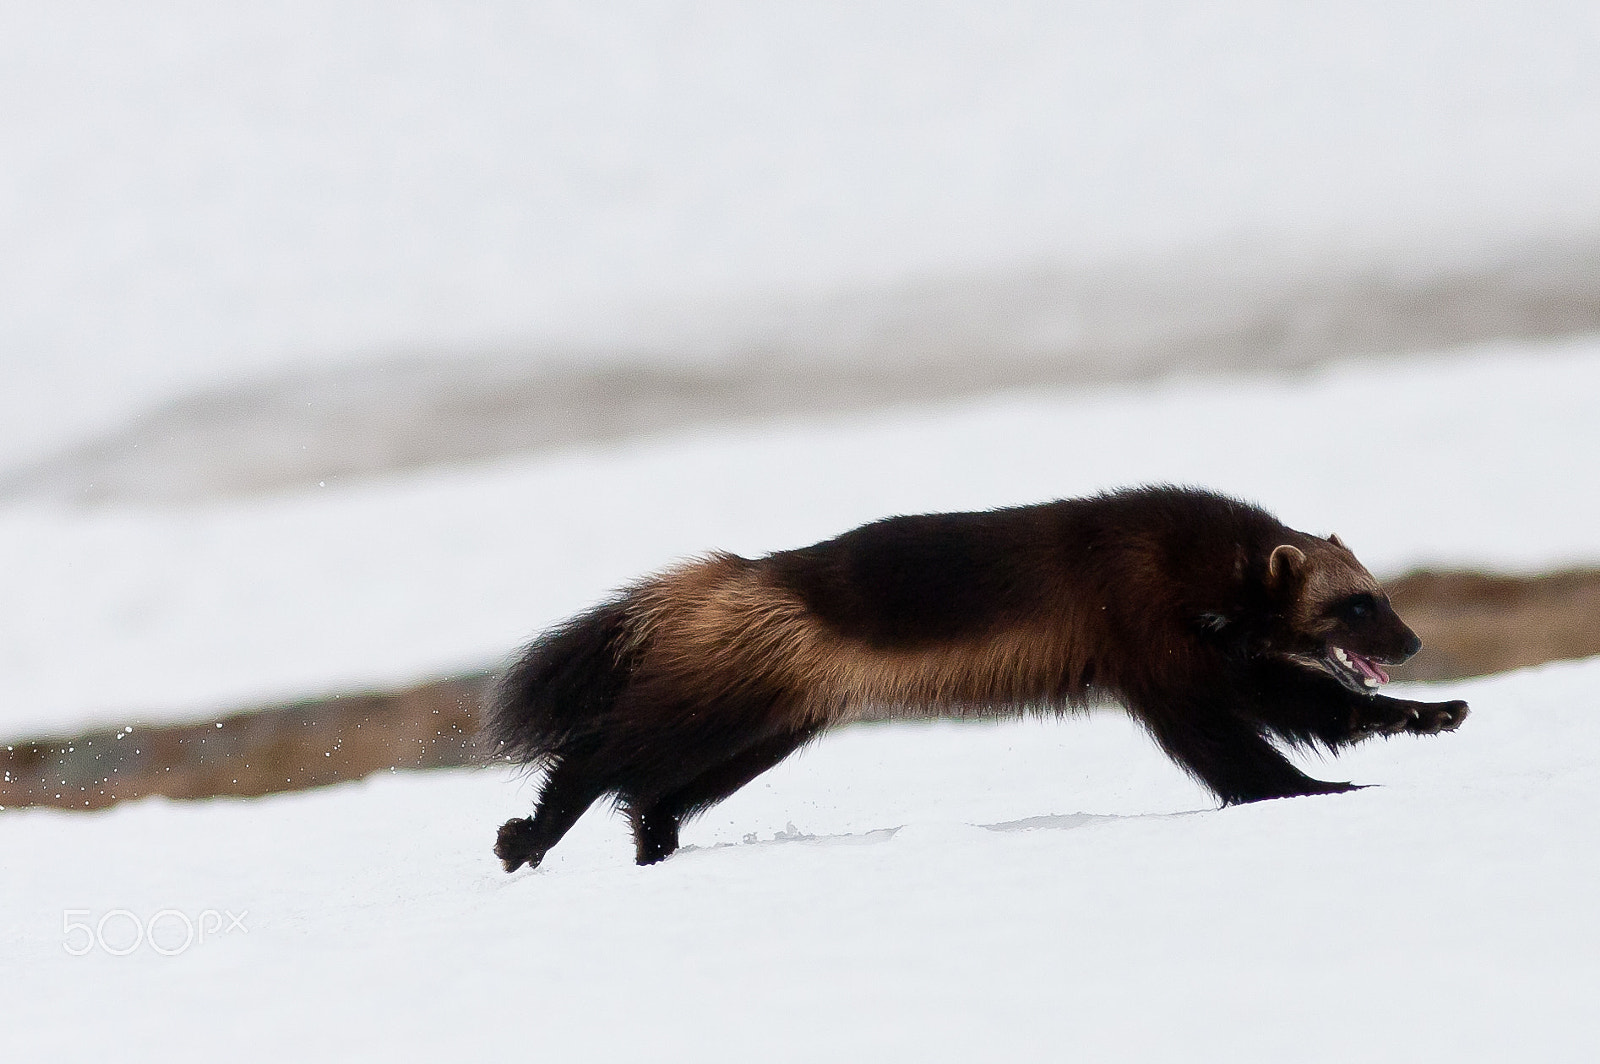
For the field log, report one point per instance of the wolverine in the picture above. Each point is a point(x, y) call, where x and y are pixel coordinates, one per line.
point(1223, 632)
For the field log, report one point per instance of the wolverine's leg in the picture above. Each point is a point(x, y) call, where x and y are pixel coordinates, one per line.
point(570, 787)
point(655, 822)
point(655, 832)
point(1228, 754)
point(1303, 705)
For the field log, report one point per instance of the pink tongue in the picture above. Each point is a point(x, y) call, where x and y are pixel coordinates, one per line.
point(1372, 669)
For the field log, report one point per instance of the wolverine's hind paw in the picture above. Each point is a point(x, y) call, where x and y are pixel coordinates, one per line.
point(515, 845)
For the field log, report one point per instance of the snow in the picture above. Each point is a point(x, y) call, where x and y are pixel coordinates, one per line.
point(194, 196)
point(1029, 891)
point(129, 615)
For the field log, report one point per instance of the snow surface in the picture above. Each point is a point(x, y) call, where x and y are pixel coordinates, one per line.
point(122, 616)
point(192, 194)
point(1028, 891)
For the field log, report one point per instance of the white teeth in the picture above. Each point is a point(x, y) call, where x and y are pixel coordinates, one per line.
point(1370, 682)
point(1341, 655)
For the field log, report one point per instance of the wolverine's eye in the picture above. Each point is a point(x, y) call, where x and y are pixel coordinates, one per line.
point(1358, 607)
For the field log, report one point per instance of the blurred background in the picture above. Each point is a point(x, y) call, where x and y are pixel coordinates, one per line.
point(346, 345)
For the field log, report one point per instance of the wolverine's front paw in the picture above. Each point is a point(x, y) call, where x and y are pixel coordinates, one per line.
point(1430, 718)
point(1391, 716)
point(515, 845)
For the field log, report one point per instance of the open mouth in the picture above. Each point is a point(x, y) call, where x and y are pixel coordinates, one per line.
point(1354, 671)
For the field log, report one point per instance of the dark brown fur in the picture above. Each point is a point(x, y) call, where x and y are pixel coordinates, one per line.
point(1211, 622)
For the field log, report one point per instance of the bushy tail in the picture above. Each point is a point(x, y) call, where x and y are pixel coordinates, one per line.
point(562, 686)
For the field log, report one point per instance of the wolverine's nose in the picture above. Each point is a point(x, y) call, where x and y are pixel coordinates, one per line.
point(1413, 645)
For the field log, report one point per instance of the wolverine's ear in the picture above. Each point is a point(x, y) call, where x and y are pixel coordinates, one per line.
point(1337, 542)
point(1286, 560)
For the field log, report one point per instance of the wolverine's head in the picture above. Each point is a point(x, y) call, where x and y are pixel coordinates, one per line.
point(1334, 615)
